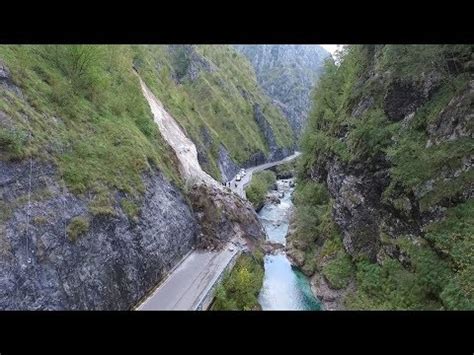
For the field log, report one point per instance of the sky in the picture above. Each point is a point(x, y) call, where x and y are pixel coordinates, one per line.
point(331, 48)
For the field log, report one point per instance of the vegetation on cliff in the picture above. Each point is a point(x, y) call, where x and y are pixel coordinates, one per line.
point(398, 117)
point(240, 288)
point(285, 170)
point(82, 108)
point(259, 186)
point(212, 92)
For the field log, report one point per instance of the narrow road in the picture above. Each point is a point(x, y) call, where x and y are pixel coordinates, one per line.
point(239, 186)
point(191, 282)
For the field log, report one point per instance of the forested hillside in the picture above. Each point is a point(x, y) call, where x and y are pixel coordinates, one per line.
point(384, 203)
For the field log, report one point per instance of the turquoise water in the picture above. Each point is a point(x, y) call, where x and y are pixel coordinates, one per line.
point(284, 286)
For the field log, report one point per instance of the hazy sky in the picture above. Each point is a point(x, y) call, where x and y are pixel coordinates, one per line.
point(331, 48)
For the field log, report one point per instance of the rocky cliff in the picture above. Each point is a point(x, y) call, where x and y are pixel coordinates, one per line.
point(385, 206)
point(287, 73)
point(72, 236)
point(57, 254)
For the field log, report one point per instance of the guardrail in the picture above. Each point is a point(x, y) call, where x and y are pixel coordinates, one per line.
point(267, 166)
point(206, 300)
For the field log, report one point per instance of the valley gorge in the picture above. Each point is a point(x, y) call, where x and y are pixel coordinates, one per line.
point(288, 73)
point(120, 165)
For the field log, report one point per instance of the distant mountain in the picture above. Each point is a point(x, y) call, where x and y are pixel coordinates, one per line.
point(287, 73)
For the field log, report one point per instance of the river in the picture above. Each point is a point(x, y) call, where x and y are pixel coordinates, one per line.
point(284, 286)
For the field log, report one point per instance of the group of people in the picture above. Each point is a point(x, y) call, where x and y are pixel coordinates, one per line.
point(227, 183)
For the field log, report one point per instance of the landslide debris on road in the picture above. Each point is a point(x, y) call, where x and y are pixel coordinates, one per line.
point(222, 216)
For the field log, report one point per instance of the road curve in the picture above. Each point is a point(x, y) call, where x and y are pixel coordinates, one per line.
point(239, 186)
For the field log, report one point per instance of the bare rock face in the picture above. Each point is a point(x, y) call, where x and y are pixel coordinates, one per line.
point(351, 210)
point(293, 250)
point(188, 63)
point(276, 152)
point(6, 80)
point(358, 209)
point(222, 216)
point(401, 99)
point(255, 159)
point(295, 255)
point(4, 72)
point(405, 97)
point(362, 107)
point(227, 166)
point(270, 247)
point(456, 120)
point(331, 298)
point(113, 264)
point(203, 148)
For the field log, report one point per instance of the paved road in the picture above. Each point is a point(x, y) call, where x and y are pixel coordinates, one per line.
point(239, 186)
point(191, 281)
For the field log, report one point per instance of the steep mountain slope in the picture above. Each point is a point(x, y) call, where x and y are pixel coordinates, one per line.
point(213, 94)
point(222, 215)
point(93, 208)
point(384, 204)
point(287, 73)
point(89, 190)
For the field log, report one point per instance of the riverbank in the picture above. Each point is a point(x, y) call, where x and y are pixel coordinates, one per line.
point(329, 270)
point(257, 189)
point(240, 287)
point(285, 287)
